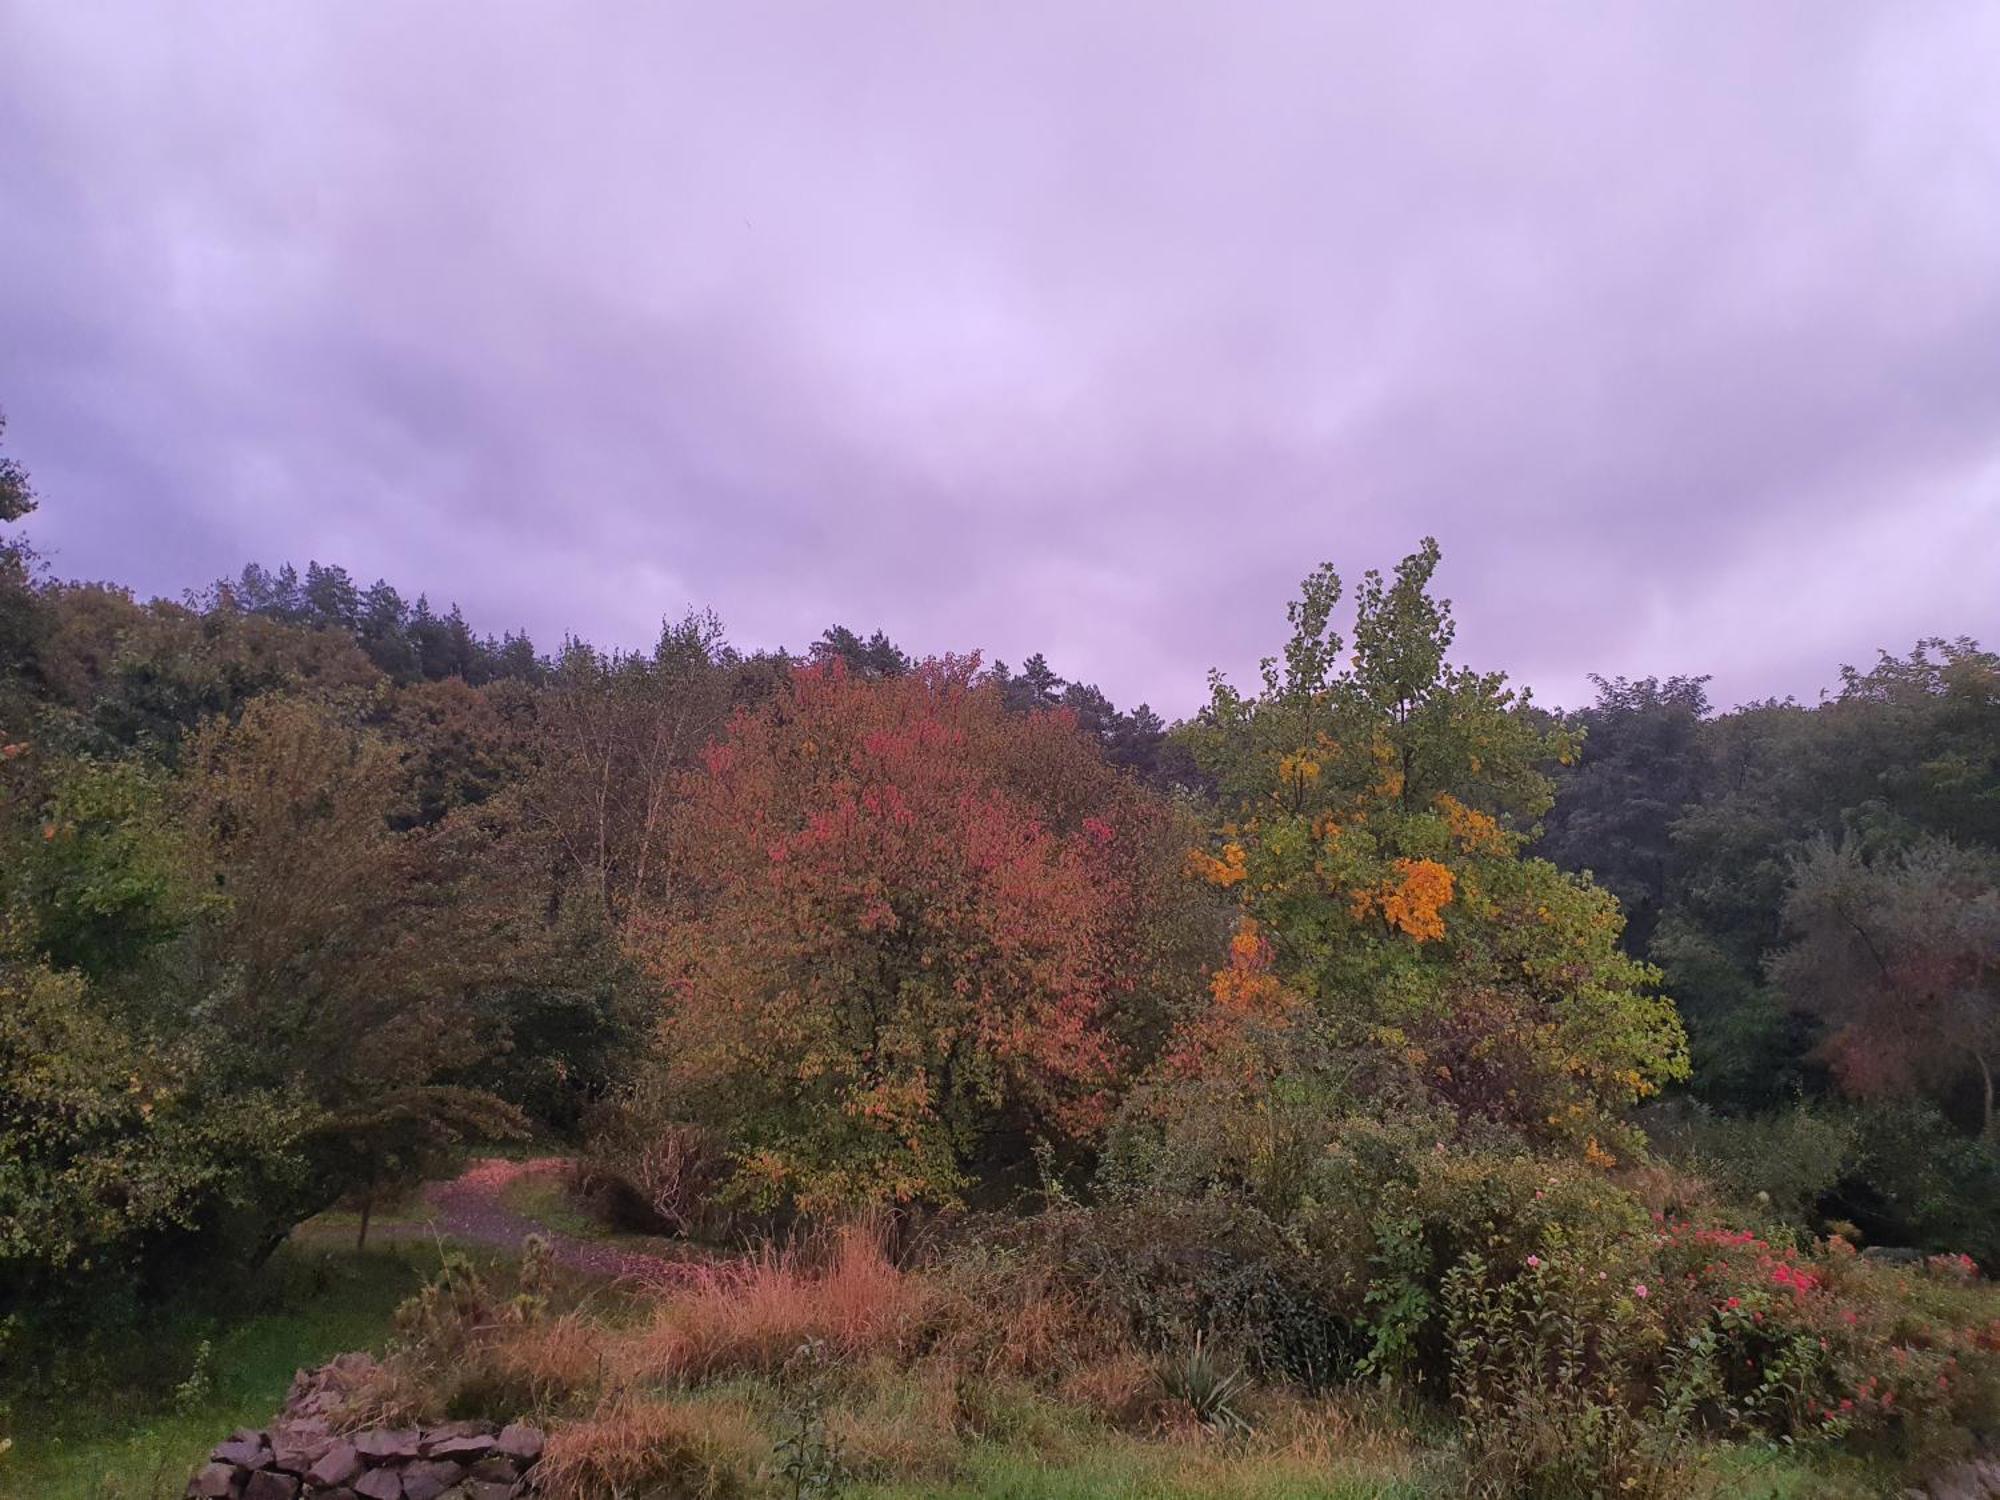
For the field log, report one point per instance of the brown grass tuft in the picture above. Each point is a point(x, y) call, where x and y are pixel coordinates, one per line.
point(754, 1318)
point(670, 1451)
point(1121, 1390)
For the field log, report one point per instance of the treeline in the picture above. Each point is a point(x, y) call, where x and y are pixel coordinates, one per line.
point(411, 643)
point(305, 885)
point(1817, 885)
point(301, 886)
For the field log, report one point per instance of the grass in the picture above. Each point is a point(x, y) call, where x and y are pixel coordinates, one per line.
point(927, 1386)
point(1124, 1469)
point(545, 1197)
point(101, 1444)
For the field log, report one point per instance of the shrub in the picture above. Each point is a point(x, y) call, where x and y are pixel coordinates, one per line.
point(1204, 1387)
point(1782, 1165)
point(1163, 1271)
point(1817, 1342)
point(1560, 1389)
point(1919, 1181)
point(468, 1346)
point(1395, 1208)
point(645, 1172)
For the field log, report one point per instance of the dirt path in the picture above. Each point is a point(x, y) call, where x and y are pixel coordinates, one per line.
point(469, 1208)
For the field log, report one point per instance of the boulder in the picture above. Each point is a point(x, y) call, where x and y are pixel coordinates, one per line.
point(245, 1452)
point(428, 1478)
point(213, 1481)
point(296, 1453)
point(269, 1484)
point(498, 1469)
point(385, 1445)
point(520, 1441)
point(339, 1465)
point(385, 1483)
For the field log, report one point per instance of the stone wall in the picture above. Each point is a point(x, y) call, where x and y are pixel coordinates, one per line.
point(301, 1454)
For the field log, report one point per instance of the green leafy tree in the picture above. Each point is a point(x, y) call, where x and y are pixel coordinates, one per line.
point(1899, 957)
point(17, 495)
point(1641, 766)
point(348, 964)
point(1375, 805)
point(112, 1151)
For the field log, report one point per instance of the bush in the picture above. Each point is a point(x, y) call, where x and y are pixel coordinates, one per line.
point(653, 1175)
point(1561, 1390)
point(1816, 1342)
point(1396, 1209)
point(1205, 1387)
point(1921, 1182)
point(1784, 1165)
point(123, 1170)
point(1165, 1271)
point(468, 1346)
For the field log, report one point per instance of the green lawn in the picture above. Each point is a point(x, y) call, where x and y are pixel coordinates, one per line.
point(121, 1445)
point(1132, 1471)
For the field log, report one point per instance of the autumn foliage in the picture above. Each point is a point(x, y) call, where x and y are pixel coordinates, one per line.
point(1376, 803)
point(907, 937)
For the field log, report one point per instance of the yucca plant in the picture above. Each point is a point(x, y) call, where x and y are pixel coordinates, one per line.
point(1198, 1380)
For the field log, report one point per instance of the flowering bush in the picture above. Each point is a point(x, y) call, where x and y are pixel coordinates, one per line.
point(1565, 1383)
point(1815, 1342)
point(1600, 1356)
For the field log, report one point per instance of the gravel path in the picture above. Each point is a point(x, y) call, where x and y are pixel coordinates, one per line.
point(469, 1208)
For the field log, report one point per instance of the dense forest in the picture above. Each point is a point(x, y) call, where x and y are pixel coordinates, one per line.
point(1380, 990)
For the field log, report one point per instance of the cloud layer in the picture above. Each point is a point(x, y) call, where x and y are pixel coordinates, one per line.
point(1081, 329)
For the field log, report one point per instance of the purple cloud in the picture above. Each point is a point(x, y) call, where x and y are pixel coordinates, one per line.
point(1077, 329)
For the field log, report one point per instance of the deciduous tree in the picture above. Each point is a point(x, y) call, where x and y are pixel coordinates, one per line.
point(911, 935)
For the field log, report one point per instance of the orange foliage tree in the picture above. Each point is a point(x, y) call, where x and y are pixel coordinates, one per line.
point(1376, 804)
point(917, 933)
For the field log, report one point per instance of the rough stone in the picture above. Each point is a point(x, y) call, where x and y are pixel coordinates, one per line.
point(269, 1484)
point(297, 1453)
point(499, 1469)
point(465, 1447)
point(428, 1478)
point(245, 1452)
point(519, 1440)
point(385, 1445)
point(338, 1465)
point(216, 1480)
point(385, 1483)
point(486, 1489)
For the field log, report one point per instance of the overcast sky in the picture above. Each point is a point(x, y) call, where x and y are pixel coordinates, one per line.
point(1080, 328)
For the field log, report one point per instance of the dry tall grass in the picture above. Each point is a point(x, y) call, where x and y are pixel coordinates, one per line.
point(690, 1451)
point(842, 1296)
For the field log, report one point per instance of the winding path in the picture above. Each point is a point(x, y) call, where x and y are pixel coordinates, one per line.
point(469, 1208)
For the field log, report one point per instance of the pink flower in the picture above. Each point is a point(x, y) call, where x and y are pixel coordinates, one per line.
point(1639, 1289)
point(1534, 1263)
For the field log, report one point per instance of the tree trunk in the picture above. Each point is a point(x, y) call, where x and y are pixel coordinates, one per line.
point(1986, 1081)
point(367, 1211)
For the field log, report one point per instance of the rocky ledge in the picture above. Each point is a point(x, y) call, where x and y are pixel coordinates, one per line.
point(300, 1453)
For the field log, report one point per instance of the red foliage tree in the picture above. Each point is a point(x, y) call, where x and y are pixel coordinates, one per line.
point(915, 930)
